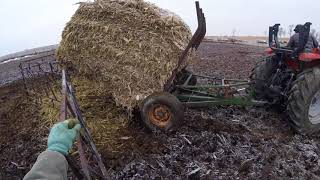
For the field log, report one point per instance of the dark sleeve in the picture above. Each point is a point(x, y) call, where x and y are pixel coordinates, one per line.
point(291, 42)
point(49, 165)
point(315, 42)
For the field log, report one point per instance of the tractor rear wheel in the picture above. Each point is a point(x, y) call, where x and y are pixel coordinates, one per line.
point(304, 102)
point(162, 111)
point(261, 76)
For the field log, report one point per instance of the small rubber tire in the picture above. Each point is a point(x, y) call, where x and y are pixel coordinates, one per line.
point(162, 111)
point(261, 76)
point(303, 91)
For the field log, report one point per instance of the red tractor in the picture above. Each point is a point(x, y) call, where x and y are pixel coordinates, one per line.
point(290, 79)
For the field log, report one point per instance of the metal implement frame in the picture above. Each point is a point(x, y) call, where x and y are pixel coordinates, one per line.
point(219, 92)
point(200, 96)
point(70, 107)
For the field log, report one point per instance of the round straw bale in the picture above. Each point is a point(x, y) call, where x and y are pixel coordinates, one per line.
point(130, 46)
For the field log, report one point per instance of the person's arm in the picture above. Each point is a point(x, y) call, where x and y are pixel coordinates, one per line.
point(52, 164)
point(291, 42)
point(315, 42)
point(49, 165)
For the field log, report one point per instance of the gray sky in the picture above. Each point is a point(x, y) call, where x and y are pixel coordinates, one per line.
point(26, 24)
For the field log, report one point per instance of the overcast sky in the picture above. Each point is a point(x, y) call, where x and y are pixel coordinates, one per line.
point(26, 24)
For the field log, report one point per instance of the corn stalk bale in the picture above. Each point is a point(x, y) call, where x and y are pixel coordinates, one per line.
point(128, 47)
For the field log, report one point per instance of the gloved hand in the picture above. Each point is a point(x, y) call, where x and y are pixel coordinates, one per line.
point(61, 138)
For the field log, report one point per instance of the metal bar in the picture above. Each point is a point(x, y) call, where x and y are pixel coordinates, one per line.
point(196, 39)
point(204, 31)
point(212, 86)
point(63, 116)
point(185, 97)
point(69, 101)
point(199, 92)
point(216, 78)
point(222, 102)
point(87, 135)
point(73, 168)
point(201, 24)
point(188, 80)
point(63, 109)
point(83, 161)
point(24, 79)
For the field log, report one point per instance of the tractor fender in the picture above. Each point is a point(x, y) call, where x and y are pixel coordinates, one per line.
point(308, 57)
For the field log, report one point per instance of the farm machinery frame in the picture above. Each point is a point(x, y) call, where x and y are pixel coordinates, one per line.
point(164, 110)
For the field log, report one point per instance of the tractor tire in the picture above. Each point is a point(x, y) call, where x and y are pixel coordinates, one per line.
point(303, 106)
point(261, 76)
point(162, 111)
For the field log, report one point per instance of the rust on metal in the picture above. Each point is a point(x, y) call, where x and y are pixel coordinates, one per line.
point(83, 160)
point(160, 115)
point(85, 144)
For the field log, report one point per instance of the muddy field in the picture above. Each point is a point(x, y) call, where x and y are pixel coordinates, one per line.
point(213, 143)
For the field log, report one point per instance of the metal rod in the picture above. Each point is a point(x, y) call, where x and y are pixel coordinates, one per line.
point(222, 102)
point(216, 78)
point(193, 43)
point(63, 109)
point(199, 92)
point(186, 97)
point(83, 161)
point(63, 116)
point(87, 135)
point(188, 80)
point(24, 79)
point(212, 86)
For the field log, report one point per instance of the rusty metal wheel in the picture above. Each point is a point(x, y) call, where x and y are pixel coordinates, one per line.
point(161, 111)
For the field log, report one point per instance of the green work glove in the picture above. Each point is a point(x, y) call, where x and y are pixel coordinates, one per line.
point(61, 138)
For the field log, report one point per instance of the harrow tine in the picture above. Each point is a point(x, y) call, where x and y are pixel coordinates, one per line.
point(35, 86)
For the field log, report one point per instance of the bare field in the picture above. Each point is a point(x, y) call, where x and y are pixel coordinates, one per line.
point(214, 143)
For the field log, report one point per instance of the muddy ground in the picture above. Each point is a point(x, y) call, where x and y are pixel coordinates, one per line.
point(214, 143)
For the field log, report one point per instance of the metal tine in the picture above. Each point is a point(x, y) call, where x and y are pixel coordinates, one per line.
point(30, 71)
point(203, 30)
point(196, 39)
point(199, 17)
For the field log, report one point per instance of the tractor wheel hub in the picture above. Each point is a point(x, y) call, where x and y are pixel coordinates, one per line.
point(160, 115)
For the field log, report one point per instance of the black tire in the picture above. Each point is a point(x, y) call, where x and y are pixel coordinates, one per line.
point(301, 95)
point(261, 76)
point(162, 111)
point(183, 75)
